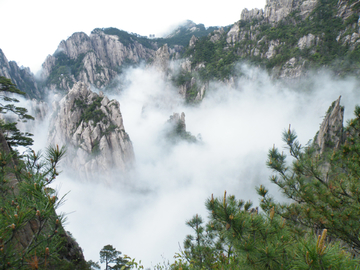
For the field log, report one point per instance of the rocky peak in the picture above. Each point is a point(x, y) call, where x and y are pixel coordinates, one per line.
point(22, 77)
point(216, 35)
point(179, 120)
point(162, 58)
point(248, 15)
point(330, 134)
point(192, 42)
point(276, 10)
point(93, 59)
point(176, 129)
point(77, 44)
point(92, 127)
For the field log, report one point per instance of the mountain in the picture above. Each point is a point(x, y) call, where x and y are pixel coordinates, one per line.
point(288, 38)
point(22, 77)
point(94, 59)
point(92, 127)
point(100, 57)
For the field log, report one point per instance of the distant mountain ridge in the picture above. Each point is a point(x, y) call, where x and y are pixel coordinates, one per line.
point(287, 37)
point(22, 77)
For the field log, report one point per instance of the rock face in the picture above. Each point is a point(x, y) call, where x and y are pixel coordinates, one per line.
point(330, 134)
point(276, 10)
point(92, 59)
point(22, 77)
point(162, 58)
point(92, 128)
point(23, 238)
point(247, 15)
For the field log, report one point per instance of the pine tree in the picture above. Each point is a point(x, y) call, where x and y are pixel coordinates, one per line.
point(13, 135)
point(326, 188)
point(317, 229)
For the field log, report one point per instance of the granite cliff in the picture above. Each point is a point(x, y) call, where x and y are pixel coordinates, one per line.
point(20, 76)
point(94, 59)
point(289, 38)
point(91, 126)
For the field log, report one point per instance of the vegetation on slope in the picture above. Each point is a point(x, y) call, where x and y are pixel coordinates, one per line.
point(31, 232)
point(323, 22)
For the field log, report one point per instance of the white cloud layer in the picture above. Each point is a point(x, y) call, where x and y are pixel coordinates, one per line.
point(144, 215)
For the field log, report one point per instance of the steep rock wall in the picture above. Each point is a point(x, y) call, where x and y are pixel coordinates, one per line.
point(92, 127)
point(22, 77)
point(93, 59)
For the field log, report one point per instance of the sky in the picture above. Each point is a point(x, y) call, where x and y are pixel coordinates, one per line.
point(31, 30)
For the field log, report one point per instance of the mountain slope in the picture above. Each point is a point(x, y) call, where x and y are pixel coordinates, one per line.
point(288, 37)
point(22, 77)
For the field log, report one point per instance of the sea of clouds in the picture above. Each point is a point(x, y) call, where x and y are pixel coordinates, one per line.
point(143, 215)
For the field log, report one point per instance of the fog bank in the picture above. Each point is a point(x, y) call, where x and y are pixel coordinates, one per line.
point(144, 215)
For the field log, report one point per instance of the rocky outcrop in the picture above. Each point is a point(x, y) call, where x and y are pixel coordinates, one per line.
point(93, 59)
point(176, 129)
point(248, 15)
point(276, 10)
point(307, 41)
point(216, 35)
point(179, 120)
point(92, 127)
point(192, 42)
point(330, 134)
point(306, 7)
point(162, 59)
point(22, 77)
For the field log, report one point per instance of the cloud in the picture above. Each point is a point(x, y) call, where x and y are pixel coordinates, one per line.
point(144, 216)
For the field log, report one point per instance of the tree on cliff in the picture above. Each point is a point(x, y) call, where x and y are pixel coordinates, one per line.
point(31, 232)
point(13, 135)
point(109, 255)
point(326, 189)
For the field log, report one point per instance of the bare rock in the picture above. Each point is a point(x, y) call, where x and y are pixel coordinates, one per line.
point(162, 58)
point(330, 134)
point(192, 42)
point(248, 15)
point(92, 127)
point(306, 41)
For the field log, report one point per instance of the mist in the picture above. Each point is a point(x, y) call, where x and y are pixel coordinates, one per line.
point(143, 215)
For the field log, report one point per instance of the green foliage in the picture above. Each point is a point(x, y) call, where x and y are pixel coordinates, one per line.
point(219, 58)
point(12, 134)
point(127, 38)
point(325, 201)
point(90, 111)
point(109, 255)
point(182, 78)
point(65, 67)
point(219, 62)
point(177, 132)
point(327, 198)
point(31, 234)
point(247, 239)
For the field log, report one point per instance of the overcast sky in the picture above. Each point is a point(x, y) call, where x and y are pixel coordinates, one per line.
point(30, 30)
